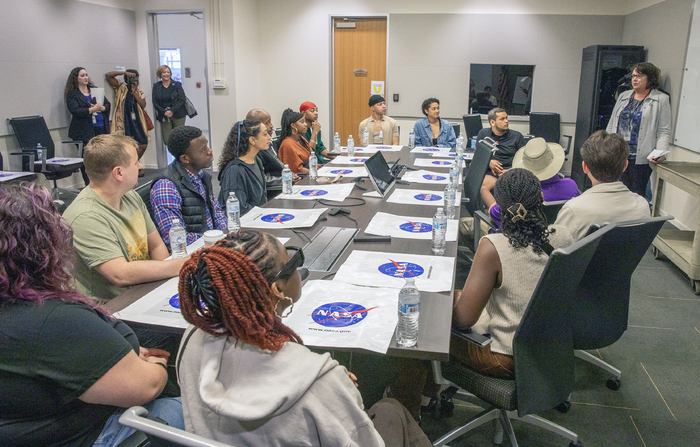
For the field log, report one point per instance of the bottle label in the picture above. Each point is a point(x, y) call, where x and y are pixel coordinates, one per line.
point(410, 308)
point(439, 226)
point(233, 208)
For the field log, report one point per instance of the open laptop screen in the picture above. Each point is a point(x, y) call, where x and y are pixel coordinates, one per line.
point(379, 173)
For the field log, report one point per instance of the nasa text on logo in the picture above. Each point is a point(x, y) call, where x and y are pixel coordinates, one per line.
point(174, 301)
point(314, 192)
point(399, 269)
point(359, 160)
point(340, 314)
point(427, 197)
point(416, 227)
point(341, 171)
point(433, 177)
point(277, 218)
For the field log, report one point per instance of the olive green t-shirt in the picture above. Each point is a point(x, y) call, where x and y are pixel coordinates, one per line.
point(101, 233)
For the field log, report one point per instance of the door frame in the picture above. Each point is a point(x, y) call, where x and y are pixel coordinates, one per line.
point(331, 57)
point(154, 61)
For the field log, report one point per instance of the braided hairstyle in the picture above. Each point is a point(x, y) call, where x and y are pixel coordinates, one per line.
point(238, 141)
point(523, 225)
point(225, 290)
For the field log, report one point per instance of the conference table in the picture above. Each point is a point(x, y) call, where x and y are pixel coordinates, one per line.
point(436, 307)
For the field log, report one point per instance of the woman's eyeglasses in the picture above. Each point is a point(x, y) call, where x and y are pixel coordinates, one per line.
point(296, 260)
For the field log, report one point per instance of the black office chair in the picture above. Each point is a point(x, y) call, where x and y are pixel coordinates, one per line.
point(455, 127)
point(135, 417)
point(601, 300)
point(544, 364)
point(548, 126)
point(471, 197)
point(144, 191)
point(472, 125)
point(32, 131)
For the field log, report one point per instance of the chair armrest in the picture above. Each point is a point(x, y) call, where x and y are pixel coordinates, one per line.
point(471, 336)
point(80, 146)
point(31, 155)
point(135, 417)
point(478, 217)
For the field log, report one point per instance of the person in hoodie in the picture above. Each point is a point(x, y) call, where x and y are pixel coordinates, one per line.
point(240, 171)
point(246, 378)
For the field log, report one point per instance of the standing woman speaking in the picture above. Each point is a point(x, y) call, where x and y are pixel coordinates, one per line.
point(129, 108)
point(168, 102)
point(642, 116)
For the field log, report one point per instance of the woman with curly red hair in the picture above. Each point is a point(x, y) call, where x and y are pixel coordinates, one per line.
point(246, 378)
point(66, 367)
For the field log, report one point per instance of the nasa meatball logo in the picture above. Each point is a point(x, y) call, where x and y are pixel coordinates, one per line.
point(277, 218)
point(338, 315)
point(174, 301)
point(427, 197)
point(401, 269)
point(434, 177)
point(416, 227)
point(342, 171)
point(314, 192)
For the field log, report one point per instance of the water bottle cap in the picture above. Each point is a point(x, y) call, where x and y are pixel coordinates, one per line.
point(440, 210)
point(176, 221)
point(286, 166)
point(410, 280)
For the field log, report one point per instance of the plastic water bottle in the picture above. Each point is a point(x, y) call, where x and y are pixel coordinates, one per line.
point(439, 231)
point(336, 143)
point(450, 197)
point(460, 144)
point(454, 175)
point(178, 240)
point(233, 212)
point(351, 147)
point(411, 139)
point(41, 155)
point(365, 137)
point(313, 166)
point(409, 311)
point(286, 180)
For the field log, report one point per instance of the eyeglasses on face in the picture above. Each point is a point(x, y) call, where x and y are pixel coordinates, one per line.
point(638, 76)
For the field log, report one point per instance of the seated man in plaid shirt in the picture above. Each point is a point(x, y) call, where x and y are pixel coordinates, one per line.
point(184, 190)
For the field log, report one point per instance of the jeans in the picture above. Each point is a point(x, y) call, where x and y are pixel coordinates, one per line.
point(168, 409)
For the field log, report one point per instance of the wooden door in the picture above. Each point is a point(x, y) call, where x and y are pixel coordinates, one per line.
point(360, 48)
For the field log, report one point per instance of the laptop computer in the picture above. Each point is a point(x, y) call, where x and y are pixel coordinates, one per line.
point(382, 176)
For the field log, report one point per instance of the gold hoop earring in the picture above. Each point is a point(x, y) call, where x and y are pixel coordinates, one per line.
point(288, 310)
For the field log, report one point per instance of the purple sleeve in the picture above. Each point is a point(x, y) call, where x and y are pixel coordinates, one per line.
point(495, 213)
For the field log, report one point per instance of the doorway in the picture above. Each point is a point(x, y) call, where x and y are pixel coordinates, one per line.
point(359, 59)
point(178, 40)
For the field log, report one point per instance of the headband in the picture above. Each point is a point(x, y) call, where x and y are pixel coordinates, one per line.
point(306, 105)
point(375, 99)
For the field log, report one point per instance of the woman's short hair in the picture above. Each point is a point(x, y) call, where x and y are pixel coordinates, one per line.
point(161, 69)
point(35, 247)
point(427, 103)
point(105, 152)
point(652, 73)
point(605, 155)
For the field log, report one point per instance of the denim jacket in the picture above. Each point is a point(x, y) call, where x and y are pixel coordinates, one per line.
point(424, 134)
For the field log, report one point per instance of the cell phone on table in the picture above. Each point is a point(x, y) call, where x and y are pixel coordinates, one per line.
point(471, 336)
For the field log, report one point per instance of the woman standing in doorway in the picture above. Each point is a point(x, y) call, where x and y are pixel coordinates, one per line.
point(129, 108)
point(642, 116)
point(168, 102)
point(433, 130)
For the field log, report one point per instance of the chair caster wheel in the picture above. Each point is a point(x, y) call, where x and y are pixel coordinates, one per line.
point(447, 408)
point(563, 407)
point(613, 383)
point(695, 286)
point(578, 444)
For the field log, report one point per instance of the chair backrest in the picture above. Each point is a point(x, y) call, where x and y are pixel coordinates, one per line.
point(545, 125)
point(145, 192)
point(455, 127)
point(543, 345)
point(475, 176)
point(551, 210)
point(601, 303)
point(32, 130)
point(472, 125)
point(135, 417)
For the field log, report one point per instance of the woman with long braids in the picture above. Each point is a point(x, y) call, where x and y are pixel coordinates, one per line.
point(246, 378)
point(67, 368)
point(294, 149)
point(506, 269)
point(240, 171)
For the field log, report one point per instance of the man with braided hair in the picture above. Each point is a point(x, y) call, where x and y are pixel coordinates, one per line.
point(246, 378)
point(605, 157)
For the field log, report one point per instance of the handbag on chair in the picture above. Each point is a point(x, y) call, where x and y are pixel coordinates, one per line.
point(189, 108)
